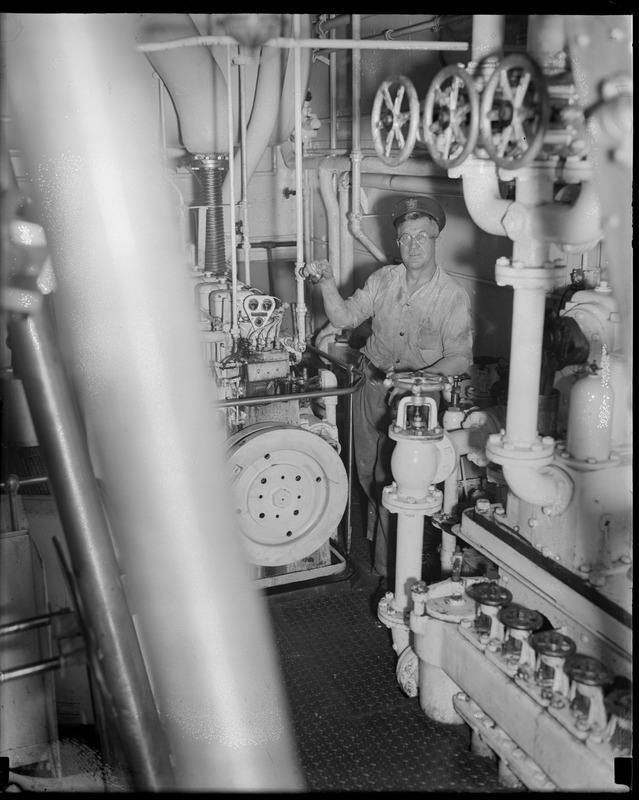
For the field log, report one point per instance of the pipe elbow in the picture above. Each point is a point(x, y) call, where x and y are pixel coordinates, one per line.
point(549, 487)
point(484, 202)
point(574, 226)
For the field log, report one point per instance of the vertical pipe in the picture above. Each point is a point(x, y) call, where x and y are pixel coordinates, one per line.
point(332, 93)
point(114, 647)
point(345, 238)
point(124, 308)
point(488, 38)
point(525, 364)
point(408, 562)
point(235, 330)
point(246, 240)
point(300, 307)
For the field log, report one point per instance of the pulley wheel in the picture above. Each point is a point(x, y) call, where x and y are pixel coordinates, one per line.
point(289, 492)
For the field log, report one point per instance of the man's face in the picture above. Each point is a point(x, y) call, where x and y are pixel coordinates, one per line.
point(419, 251)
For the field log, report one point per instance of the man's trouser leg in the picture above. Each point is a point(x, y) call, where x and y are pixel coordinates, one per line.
point(373, 448)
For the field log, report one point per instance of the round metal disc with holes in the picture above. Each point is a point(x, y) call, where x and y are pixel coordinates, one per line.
point(587, 670)
point(289, 492)
point(489, 594)
point(552, 643)
point(520, 618)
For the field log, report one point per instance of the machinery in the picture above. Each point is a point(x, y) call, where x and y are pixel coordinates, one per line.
point(166, 180)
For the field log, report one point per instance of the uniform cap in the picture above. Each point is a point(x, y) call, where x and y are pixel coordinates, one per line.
point(424, 205)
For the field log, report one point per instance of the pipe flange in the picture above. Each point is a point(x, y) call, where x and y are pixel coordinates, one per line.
point(389, 615)
point(424, 506)
point(538, 453)
point(516, 275)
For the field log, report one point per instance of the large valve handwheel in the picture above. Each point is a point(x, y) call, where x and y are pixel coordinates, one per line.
point(514, 112)
point(395, 120)
point(451, 117)
point(289, 492)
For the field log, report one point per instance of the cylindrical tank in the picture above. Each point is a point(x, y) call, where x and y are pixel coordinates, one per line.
point(590, 417)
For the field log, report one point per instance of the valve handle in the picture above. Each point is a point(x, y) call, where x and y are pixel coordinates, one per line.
point(552, 643)
point(520, 618)
point(395, 119)
point(451, 117)
point(514, 112)
point(489, 594)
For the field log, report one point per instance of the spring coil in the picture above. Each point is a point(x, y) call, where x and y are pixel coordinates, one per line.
point(212, 178)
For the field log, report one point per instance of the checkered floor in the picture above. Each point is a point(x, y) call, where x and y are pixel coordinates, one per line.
point(355, 728)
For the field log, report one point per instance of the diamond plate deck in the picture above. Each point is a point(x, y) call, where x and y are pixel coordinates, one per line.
point(355, 729)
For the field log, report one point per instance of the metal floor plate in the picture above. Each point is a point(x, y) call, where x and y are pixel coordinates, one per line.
point(355, 729)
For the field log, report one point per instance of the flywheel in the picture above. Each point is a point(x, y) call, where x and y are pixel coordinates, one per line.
point(289, 491)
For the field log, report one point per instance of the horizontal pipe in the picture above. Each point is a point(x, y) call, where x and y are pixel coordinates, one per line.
point(336, 44)
point(33, 622)
point(38, 667)
point(413, 184)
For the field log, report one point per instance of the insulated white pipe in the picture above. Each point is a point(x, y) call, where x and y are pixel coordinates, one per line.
point(576, 225)
point(192, 78)
point(345, 237)
point(535, 486)
point(356, 153)
point(488, 37)
point(331, 205)
point(408, 561)
point(529, 307)
point(481, 192)
point(264, 114)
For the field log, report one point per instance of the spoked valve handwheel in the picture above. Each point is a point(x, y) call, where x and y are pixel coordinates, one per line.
point(514, 112)
point(395, 119)
point(451, 117)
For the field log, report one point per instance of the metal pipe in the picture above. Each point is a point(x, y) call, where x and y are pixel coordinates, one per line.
point(299, 44)
point(434, 24)
point(114, 649)
point(356, 154)
point(345, 237)
point(327, 191)
point(40, 621)
point(332, 95)
point(488, 38)
point(145, 396)
point(230, 182)
point(38, 667)
point(413, 184)
point(300, 305)
point(246, 241)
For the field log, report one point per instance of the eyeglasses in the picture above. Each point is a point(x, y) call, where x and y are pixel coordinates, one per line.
point(421, 238)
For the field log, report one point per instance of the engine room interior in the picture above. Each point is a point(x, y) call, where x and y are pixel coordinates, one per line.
point(181, 510)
